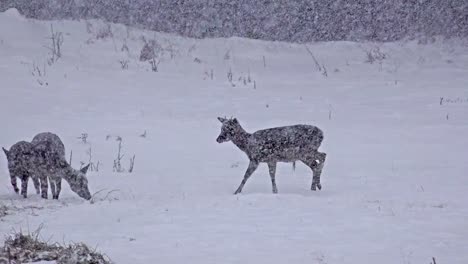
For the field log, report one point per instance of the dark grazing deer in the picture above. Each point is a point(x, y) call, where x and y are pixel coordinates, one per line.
point(44, 160)
point(20, 159)
point(52, 148)
point(53, 164)
point(280, 144)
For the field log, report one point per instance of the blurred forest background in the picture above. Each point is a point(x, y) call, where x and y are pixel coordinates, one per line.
point(283, 20)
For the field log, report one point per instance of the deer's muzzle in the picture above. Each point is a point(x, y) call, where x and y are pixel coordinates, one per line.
point(221, 139)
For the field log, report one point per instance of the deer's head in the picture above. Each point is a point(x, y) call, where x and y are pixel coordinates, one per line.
point(79, 183)
point(11, 162)
point(229, 129)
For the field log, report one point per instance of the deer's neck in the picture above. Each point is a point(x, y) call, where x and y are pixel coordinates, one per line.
point(241, 139)
point(67, 173)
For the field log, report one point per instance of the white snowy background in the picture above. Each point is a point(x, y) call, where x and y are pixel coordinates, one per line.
point(394, 186)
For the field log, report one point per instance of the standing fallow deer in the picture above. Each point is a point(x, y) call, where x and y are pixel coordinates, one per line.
point(280, 144)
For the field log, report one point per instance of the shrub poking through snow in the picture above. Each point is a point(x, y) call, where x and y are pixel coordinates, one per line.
point(81, 253)
point(55, 47)
point(25, 248)
point(104, 32)
point(3, 210)
point(151, 50)
point(375, 55)
point(21, 248)
point(118, 160)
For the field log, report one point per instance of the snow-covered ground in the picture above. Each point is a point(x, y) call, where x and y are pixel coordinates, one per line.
point(395, 187)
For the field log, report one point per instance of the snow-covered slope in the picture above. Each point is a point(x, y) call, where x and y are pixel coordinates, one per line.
point(394, 185)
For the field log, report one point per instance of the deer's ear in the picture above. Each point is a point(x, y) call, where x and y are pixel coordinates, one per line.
point(63, 164)
point(84, 169)
point(6, 152)
point(222, 120)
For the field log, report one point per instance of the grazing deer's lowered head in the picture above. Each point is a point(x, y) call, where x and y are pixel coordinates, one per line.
point(52, 164)
point(77, 181)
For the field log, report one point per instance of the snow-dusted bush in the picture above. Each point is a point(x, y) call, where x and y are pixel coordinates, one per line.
point(123, 64)
point(375, 54)
point(26, 248)
point(151, 49)
point(104, 32)
point(3, 210)
point(55, 47)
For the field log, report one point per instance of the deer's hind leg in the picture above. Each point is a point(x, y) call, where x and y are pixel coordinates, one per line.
point(252, 167)
point(55, 186)
point(44, 186)
point(52, 183)
point(58, 185)
point(316, 163)
point(272, 170)
point(37, 184)
point(24, 186)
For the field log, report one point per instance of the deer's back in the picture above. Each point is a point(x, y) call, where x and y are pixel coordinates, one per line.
point(44, 155)
point(49, 142)
point(21, 159)
point(288, 143)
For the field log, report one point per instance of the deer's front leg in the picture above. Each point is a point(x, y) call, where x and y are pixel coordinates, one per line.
point(252, 167)
point(272, 170)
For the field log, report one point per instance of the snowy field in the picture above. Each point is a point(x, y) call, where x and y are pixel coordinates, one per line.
point(395, 185)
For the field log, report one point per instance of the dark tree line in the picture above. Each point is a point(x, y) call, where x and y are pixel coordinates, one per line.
point(285, 20)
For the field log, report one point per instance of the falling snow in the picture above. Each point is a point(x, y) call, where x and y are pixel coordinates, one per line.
point(382, 92)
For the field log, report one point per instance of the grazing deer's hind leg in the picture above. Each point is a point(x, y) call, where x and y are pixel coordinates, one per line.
point(24, 186)
point(52, 187)
point(37, 185)
point(272, 170)
point(58, 185)
point(44, 187)
point(252, 167)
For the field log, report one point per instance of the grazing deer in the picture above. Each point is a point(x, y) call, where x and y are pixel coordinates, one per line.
point(52, 145)
point(280, 144)
point(44, 159)
point(20, 159)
